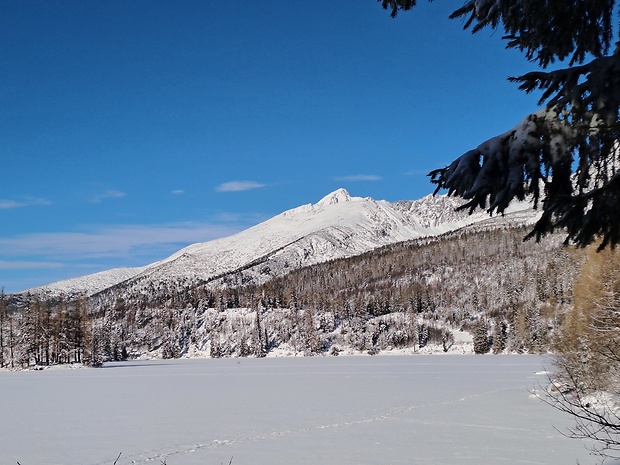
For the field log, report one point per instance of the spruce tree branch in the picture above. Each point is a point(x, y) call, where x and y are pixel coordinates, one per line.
point(574, 30)
point(396, 5)
point(583, 91)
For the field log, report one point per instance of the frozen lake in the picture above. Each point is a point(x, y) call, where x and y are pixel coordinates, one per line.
point(436, 409)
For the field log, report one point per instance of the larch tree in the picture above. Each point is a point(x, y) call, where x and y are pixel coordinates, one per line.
point(566, 155)
point(588, 354)
point(481, 337)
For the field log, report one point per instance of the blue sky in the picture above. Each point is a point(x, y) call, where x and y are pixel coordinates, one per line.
point(131, 129)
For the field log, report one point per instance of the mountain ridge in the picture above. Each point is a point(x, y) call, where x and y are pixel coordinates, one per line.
point(337, 226)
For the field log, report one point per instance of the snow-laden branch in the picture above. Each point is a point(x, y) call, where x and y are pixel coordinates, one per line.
point(570, 147)
point(589, 94)
point(510, 166)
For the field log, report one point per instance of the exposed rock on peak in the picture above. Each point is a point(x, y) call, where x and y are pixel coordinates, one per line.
point(338, 196)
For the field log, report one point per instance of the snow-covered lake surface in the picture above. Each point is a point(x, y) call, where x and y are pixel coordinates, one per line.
point(435, 409)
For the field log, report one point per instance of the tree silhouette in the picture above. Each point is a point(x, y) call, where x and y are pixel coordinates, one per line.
point(566, 155)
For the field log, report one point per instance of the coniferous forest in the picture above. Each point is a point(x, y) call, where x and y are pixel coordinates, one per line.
point(506, 294)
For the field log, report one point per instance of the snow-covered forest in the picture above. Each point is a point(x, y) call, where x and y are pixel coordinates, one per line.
point(474, 289)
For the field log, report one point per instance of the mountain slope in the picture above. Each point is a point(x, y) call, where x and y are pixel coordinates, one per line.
point(335, 227)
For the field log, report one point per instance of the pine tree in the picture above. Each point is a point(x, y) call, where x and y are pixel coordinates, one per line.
point(296, 335)
point(216, 349)
point(260, 338)
point(481, 337)
point(312, 341)
point(579, 125)
point(422, 335)
point(500, 337)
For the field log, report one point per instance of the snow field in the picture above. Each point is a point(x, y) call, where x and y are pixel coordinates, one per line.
point(421, 409)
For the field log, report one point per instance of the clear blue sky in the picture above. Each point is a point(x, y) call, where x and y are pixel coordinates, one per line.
point(129, 129)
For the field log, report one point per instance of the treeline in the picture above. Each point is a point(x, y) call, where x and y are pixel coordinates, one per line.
point(45, 333)
point(510, 295)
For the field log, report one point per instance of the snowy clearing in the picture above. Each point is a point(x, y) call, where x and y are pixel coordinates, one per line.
point(422, 409)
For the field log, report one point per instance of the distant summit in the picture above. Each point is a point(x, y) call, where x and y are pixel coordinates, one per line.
point(338, 196)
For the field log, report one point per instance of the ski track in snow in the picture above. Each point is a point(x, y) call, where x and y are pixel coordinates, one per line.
point(161, 455)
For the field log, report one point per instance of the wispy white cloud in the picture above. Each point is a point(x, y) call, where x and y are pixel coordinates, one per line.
point(359, 177)
point(121, 241)
point(177, 192)
point(6, 204)
point(30, 260)
point(27, 202)
point(241, 218)
point(28, 265)
point(107, 194)
point(237, 186)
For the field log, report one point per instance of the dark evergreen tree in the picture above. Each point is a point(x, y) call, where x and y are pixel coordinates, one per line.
point(216, 349)
point(500, 337)
point(312, 341)
point(423, 336)
point(567, 154)
point(481, 337)
point(260, 337)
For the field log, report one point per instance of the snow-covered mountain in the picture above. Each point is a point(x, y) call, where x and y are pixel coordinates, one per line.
point(337, 226)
